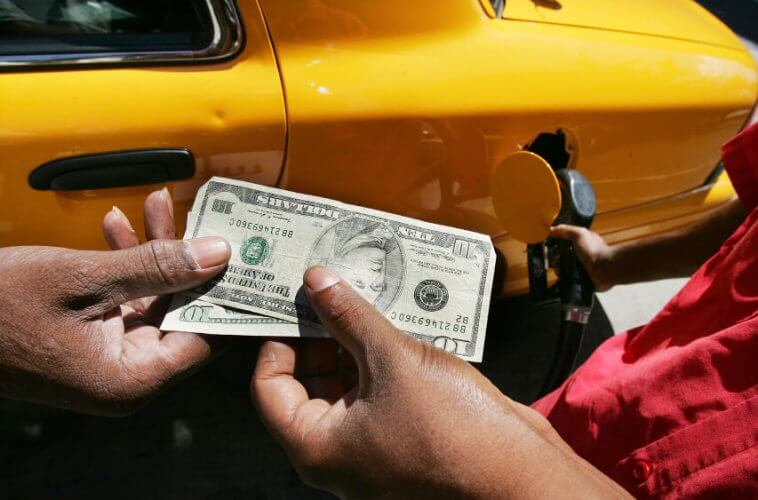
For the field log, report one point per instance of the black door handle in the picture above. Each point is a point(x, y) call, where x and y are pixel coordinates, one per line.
point(109, 170)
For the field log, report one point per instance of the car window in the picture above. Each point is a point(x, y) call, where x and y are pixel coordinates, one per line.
point(36, 27)
point(498, 6)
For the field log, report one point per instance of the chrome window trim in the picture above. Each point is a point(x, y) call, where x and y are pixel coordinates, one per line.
point(226, 41)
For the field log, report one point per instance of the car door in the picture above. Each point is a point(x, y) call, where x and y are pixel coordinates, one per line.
point(102, 102)
point(409, 107)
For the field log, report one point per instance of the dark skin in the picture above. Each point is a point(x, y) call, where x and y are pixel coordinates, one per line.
point(393, 418)
point(374, 413)
point(83, 331)
point(404, 419)
point(420, 422)
point(671, 255)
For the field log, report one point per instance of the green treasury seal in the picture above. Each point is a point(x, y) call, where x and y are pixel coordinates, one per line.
point(254, 250)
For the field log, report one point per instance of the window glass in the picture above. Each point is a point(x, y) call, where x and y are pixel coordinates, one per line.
point(29, 27)
point(498, 5)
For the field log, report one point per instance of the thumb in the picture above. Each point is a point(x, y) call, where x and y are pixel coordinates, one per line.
point(155, 268)
point(367, 335)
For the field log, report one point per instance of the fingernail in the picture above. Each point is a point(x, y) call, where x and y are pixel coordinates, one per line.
point(210, 251)
point(320, 278)
point(169, 201)
point(123, 217)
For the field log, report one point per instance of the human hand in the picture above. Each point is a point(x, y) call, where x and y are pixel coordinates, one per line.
point(593, 252)
point(400, 418)
point(79, 328)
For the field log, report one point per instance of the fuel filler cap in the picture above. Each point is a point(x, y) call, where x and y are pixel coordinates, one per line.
point(526, 195)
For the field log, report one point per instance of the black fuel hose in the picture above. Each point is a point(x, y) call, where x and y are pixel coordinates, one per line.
point(567, 348)
point(577, 295)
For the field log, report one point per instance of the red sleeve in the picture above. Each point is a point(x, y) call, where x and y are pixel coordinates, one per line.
point(740, 157)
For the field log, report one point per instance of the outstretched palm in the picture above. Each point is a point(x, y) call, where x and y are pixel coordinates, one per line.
point(149, 357)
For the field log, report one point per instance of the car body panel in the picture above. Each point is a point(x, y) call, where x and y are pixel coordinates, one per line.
point(230, 115)
point(679, 19)
point(397, 106)
point(413, 122)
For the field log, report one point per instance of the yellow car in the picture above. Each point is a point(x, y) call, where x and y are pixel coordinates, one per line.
point(397, 105)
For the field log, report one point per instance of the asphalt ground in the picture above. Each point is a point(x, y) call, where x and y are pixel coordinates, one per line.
point(202, 439)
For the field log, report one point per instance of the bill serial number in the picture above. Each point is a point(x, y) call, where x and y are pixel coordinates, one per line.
point(459, 326)
point(261, 228)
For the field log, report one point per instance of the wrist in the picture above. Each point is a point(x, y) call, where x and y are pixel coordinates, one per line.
point(510, 457)
point(605, 270)
point(523, 457)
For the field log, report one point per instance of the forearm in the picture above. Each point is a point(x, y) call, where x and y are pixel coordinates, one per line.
point(566, 475)
point(523, 457)
point(675, 254)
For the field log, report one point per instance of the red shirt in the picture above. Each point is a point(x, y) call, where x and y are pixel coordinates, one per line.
point(670, 409)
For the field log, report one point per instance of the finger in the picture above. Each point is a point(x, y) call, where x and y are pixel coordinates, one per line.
point(581, 239)
point(169, 356)
point(351, 321)
point(159, 216)
point(567, 232)
point(274, 390)
point(187, 351)
point(118, 231)
point(120, 235)
point(100, 281)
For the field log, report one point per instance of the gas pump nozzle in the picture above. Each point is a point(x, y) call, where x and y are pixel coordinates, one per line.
point(578, 208)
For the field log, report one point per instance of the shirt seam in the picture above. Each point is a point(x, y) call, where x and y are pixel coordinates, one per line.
point(673, 483)
point(750, 394)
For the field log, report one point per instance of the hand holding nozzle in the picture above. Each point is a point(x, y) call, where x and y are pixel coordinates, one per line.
point(592, 251)
point(578, 209)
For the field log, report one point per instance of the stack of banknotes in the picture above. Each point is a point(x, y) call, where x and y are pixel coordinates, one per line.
point(433, 282)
